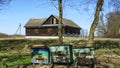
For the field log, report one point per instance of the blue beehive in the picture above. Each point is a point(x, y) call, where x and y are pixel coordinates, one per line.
point(40, 55)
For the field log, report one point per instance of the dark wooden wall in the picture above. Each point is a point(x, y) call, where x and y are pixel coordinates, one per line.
point(42, 31)
point(71, 31)
point(52, 31)
point(49, 31)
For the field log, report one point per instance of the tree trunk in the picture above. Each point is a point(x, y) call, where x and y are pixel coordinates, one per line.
point(96, 20)
point(119, 35)
point(60, 31)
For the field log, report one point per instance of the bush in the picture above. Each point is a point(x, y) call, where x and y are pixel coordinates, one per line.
point(106, 44)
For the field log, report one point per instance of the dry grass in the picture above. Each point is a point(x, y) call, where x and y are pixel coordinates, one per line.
point(19, 41)
point(108, 56)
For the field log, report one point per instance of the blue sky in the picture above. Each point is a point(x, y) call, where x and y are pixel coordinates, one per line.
point(20, 11)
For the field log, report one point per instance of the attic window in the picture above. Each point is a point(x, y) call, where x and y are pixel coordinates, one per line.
point(53, 20)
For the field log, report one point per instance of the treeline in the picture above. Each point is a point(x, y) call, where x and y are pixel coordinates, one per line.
point(111, 28)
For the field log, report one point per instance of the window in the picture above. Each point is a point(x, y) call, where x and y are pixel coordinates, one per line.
point(54, 21)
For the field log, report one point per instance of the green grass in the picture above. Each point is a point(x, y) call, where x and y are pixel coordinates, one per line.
point(13, 51)
point(19, 60)
point(15, 60)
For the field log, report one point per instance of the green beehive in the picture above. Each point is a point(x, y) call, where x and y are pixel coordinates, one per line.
point(61, 54)
point(40, 54)
point(83, 55)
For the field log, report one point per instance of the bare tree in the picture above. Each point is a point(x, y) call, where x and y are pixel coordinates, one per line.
point(96, 19)
point(60, 31)
point(99, 7)
point(101, 27)
point(113, 23)
point(60, 9)
point(119, 34)
point(114, 3)
point(4, 2)
point(82, 32)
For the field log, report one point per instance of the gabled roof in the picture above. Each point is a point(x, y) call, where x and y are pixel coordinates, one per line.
point(38, 22)
point(68, 22)
point(35, 22)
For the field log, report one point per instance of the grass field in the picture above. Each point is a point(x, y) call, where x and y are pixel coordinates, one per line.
point(15, 51)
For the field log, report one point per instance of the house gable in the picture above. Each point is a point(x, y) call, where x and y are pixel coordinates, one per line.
point(49, 27)
point(51, 20)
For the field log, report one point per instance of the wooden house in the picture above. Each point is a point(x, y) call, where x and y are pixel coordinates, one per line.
point(49, 27)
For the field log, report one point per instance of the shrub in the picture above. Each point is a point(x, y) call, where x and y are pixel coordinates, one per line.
point(106, 44)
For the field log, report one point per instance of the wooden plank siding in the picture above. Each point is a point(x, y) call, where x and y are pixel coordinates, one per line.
point(51, 31)
point(49, 27)
point(71, 31)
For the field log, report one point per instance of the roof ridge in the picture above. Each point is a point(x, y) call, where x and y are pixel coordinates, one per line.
point(39, 21)
point(63, 17)
point(38, 18)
